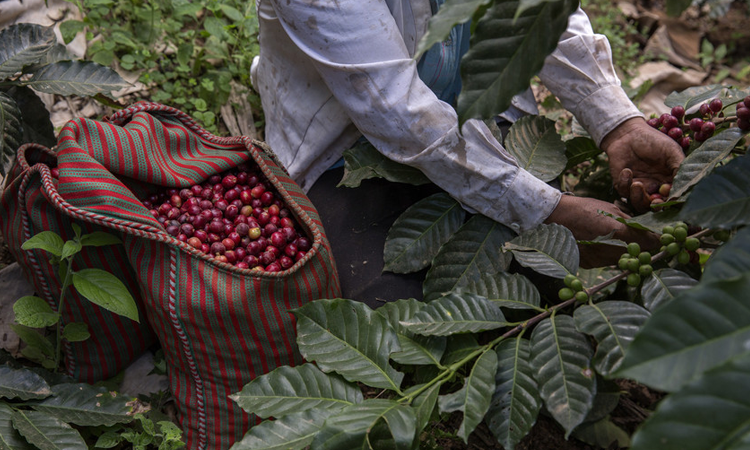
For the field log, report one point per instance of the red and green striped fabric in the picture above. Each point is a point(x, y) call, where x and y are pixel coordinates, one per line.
point(30, 204)
point(219, 326)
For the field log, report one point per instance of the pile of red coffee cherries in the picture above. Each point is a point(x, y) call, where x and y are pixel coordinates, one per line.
point(237, 217)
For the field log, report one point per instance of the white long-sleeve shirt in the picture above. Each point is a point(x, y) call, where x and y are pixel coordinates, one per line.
point(330, 71)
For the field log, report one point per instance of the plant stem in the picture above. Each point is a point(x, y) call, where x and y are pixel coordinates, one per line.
point(60, 304)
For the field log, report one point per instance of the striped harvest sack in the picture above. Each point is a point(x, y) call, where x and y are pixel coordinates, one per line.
point(31, 203)
point(219, 326)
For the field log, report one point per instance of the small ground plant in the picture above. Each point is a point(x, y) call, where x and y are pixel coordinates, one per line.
point(496, 348)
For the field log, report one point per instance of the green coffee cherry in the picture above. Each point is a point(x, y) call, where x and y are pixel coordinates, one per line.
point(645, 270)
point(674, 248)
point(582, 296)
point(684, 257)
point(633, 265)
point(667, 230)
point(722, 235)
point(666, 239)
point(634, 249)
point(569, 278)
point(576, 285)
point(623, 263)
point(644, 258)
point(680, 234)
point(565, 294)
point(634, 279)
point(692, 244)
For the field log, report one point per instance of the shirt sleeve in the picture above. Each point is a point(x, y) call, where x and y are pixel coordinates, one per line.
point(580, 72)
point(359, 52)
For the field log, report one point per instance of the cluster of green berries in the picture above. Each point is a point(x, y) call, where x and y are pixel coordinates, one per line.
point(675, 242)
point(573, 288)
point(638, 263)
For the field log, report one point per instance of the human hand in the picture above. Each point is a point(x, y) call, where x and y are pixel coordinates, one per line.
point(582, 217)
point(641, 159)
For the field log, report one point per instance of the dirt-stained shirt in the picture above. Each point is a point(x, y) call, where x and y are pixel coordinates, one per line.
point(330, 71)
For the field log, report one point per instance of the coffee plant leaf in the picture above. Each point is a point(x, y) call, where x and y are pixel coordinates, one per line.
point(292, 432)
point(450, 14)
point(48, 241)
point(347, 337)
point(11, 131)
point(352, 426)
point(613, 324)
point(22, 384)
point(106, 290)
point(363, 162)
point(506, 52)
point(473, 398)
point(23, 44)
point(416, 236)
point(549, 249)
point(602, 434)
point(47, 432)
point(698, 330)
point(507, 290)
point(402, 309)
point(9, 437)
point(722, 199)
point(458, 347)
point(561, 359)
point(515, 403)
point(424, 404)
point(534, 143)
point(593, 277)
point(606, 400)
point(693, 96)
point(731, 260)
point(663, 285)
point(456, 313)
point(473, 250)
point(87, 405)
point(703, 159)
point(419, 350)
point(709, 413)
point(32, 311)
point(651, 221)
point(83, 78)
point(580, 149)
point(288, 390)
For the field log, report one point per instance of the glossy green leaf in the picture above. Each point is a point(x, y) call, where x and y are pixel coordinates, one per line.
point(23, 44)
point(474, 250)
point(703, 160)
point(506, 52)
point(663, 285)
point(347, 337)
point(22, 384)
point(580, 149)
point(83, 78)
point(561, 359)
point(47, 432)
point(614, 325)
point(507, 290)
point(549, 249)
point(473, 399)
point(693, 96)
point(70, 248)
point(87, 405)
point(515, 403)
point(416, 236)
point(534, 143)
point(99, 238)
point(700, 329)
point(288, 390)
point(32, 311)
point(363, 161)
point(9, 437)
point(594, 277)
point(34, 339)
point(450, 14)
point(106, 290)
point(602, 434)
point(48, 241)
point(424, 405)
point(710, 413)
point(415, 349)
point(294, 431)
point(76, 332)
point(11, 131)
point(459, 346)
point(351, 427)
point(731, 260)
point(456, 313)
point(651, 221)
point(722, 199)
